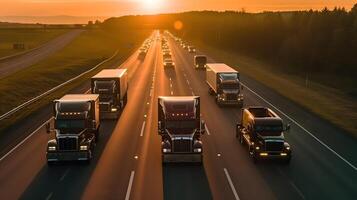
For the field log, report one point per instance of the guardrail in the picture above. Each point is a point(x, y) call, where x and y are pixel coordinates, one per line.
point(18, 108)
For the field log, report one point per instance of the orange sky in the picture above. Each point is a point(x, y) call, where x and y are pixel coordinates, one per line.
point(123, 7)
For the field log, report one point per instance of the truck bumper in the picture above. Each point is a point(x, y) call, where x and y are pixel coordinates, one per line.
point(233, 103)
point(273, 155)
point(182, 158)
point(67, 156)
point(109, 115)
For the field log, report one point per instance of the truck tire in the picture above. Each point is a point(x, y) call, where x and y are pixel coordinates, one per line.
point(287, 160)
point(51, 163)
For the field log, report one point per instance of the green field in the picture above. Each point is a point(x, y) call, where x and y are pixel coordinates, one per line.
point(329, 103)
point(30, 37)
point(86, 51)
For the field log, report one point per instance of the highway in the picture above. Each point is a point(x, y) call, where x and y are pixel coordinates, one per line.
point(14, 63)
point(127, 161)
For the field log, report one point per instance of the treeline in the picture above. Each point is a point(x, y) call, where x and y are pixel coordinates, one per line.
point(317, 42)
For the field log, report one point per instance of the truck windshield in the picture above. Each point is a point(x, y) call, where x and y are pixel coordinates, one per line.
point(70, 124)
point(200, 60)
point(104, 87)
point(229, 77)
point(184, 124)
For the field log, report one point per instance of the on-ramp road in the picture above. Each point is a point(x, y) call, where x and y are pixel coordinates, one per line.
point(14, 63)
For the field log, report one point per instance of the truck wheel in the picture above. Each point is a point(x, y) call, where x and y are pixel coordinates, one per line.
point(287, 160)
point(50, 163)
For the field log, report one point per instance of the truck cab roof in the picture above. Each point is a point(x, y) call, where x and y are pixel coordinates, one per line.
point(110, 73)
point(79, 97)
point(179, 105)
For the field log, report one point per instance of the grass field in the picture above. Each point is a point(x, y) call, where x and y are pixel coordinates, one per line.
point(329, 103)
point(86, 51)
point(30, 37)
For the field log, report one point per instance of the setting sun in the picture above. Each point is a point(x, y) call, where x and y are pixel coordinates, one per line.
point(151, 4)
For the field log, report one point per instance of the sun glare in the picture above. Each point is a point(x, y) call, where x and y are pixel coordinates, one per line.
point(152, 4)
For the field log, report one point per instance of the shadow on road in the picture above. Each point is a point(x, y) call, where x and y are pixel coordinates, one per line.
point(67, 180)
point(185, 181)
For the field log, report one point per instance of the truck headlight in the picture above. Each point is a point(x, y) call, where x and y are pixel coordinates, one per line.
point(166, 150)
point(287, 147)
point(257, 148)
point(197, 150)
point(114, 109)
point(83, 147)
point(52, 148)
point(283, 154)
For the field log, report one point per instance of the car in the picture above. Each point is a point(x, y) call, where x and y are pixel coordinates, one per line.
point(169, 63)
point(191, 49)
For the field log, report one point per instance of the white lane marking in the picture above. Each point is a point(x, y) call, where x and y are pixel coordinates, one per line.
point(64, 175)
point(297, 189)
point(24, 140)
point(295, 122)
point(172, 93)
point(208, 133)
point(49, 196)
point(231, 184)
point(188, 82)
point(127, 196)
point(142, 129)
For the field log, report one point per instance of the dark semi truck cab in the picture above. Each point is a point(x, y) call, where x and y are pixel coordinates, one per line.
point(200, 61)
point(262, 130)
point(76, 128)
point(180, 128)
point(111, 85)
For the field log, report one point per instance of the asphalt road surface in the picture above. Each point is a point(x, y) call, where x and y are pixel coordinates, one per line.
point(15, 63)
point(127, 163)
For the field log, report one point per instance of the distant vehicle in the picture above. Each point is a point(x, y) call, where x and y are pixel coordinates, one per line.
point(263, 132)
point(169, 62)
point(191, 49)
point(200, 61)
point(142, 53)
point(185, 46)
point(76, 124)
point(166, 55)
point(224, 84)
point(180, 128)
point(112, 87)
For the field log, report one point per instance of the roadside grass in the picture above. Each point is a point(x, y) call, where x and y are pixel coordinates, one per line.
point(30, 37)
point(329, 103)
point(82, 54)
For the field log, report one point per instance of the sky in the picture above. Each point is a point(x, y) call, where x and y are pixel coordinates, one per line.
point(109, 8)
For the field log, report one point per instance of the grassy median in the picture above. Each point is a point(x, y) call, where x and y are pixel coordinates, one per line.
point(82, 54)
point(30, 37)
point(329, 103)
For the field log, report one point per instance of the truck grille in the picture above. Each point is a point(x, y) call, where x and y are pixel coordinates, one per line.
point(231, 97)
point(67, 143)
point(182, 146)
point(274, 146)
point(104, 107)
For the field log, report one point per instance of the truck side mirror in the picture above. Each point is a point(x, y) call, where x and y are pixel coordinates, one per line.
point(203, 127)
point(159, 127)
point(48, 128)
point(287, 127)
point(239, 125)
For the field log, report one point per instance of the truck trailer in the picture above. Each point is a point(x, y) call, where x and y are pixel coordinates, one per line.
point(180, 128)
point(76, 128)
point(112, 87)
point(262, 130)
point(224, 84)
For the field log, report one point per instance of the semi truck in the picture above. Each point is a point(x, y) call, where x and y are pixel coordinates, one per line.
point(200, 61)
point(262, 130)
point(224, 84)
point(112, 87)
point(180, 128)
point(76, 128)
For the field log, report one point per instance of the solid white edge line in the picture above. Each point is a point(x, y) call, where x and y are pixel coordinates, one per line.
point(231, 184)
point(142, 129)
point(127, 196)
point(295, 122)
point(49, 196)
point(208, 133)
point(24, 140)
